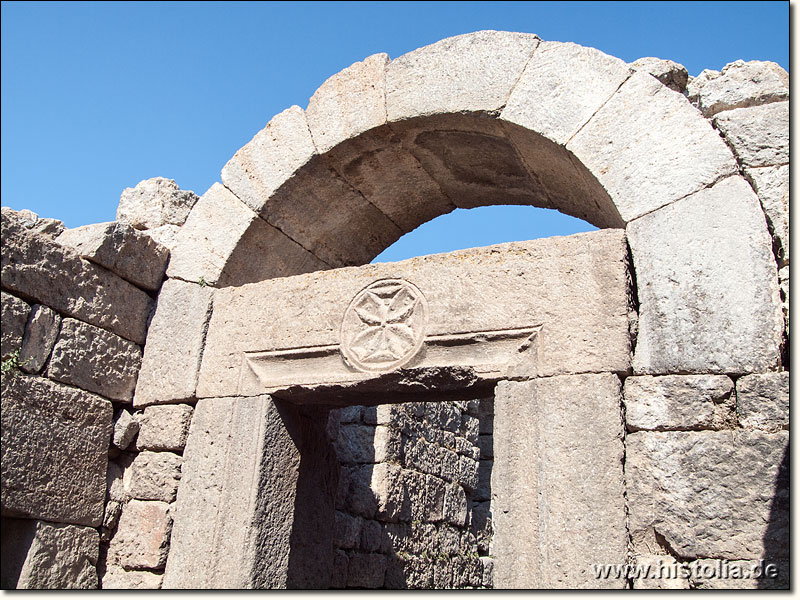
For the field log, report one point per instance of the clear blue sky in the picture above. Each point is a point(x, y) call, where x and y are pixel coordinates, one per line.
point(97, 96)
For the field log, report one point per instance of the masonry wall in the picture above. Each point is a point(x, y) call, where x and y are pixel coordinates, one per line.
point(413, 497)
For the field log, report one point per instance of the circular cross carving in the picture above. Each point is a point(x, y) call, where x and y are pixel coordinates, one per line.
point(384, 326)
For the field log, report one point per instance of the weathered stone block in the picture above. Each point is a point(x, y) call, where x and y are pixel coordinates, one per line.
point(52, 228)
point(572, 95)
point(671, 74)
point(578, 321)
point(125, 429)
point(759, 135)
point(709, 493)
point(772, 186)
point(348, 530)
point(205, 249)
point(44, 271)
point(557, 482)
point(164, 427)
point(180, 321)
point(371, 533)
point(14, 315)
point(117, 578)
point(48, 556)
point(40, 335)
point(121, 249)
point(388, 444)
point(454, 509)
point(708, 289)
point(471, 72)
point(356, 444)
point(142, 538)
point(349, 103)
point(483, 491)
point(95, 360)
point(739, 85)
point(340, 565)
point(155, 476)
point(679, 402)
point(155, 202)
point(387, 487)
point(762, 401)
point(659, 572)
point(166, 235)
point(648, 147)
point(54, 451)
point(366, 570)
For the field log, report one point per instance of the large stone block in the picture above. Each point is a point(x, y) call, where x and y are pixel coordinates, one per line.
point(54, 451)
point(40, 335)
point(164, 427)
point(772, 186)
point(52, 228)
point(541, 307)
point(679, 402)
point(759, 135)
point(179, 322)
point(671, 74)
point(206, 246)
point(720, 494)
point(118, 247)
point(48, 556)
point(558, 500)
point(125, 429)
point(561, 87)
point(471, 72)
point(762, 401)
point(259, 522)
point(708, 287)
point(739, 85)
point(14, 316)
point(142, 537)
point(648, 147)
point(155, 202)
point(42, 270)
point(349, 103)
point(155, 476)
point(95, 360)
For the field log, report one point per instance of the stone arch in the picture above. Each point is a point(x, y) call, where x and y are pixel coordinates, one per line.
point(506, 118)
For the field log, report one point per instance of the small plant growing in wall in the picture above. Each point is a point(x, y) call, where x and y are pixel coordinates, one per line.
point(10, 365)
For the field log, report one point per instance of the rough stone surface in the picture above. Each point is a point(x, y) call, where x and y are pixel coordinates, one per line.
point(772, 186)
point(142, 538)
point(759, 135)
point(558, 502)
point(179, 322)
point(54, 451)
point(671, 74)
point(121, 249)
point(582, 311)
point(274, 154)
point(125, 429)
point(155, 476)
point(679, 402)
point(14, 316)
point(660, 572)
point(205, 248)
point(721, 494)
point(648, 147)
point(41, 270)
point(48, 556)
point(762, 401)
point(763, 574)
point(471, 72)
point(40, 335)
point(117, 578)
point(349, 103)
point(155, 202)
point(739, 85)
point(52, 228)
point(708, 288)
point(164, 427)
point(166, 235)
point(572, 95)
point(95, 360)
